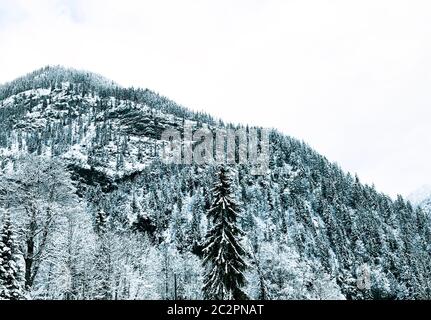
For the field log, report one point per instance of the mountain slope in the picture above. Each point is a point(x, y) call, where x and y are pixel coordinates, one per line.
point(420, 195)
point(422, 199)
point(312, 231)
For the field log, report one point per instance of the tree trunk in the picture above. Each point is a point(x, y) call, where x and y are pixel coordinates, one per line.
point(29, 263)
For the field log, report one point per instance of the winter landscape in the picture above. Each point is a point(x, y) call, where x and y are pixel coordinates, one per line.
point(215, 150)
point(91, 209)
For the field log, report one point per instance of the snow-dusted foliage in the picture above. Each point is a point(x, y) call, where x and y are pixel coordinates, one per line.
point(11, 284)
point(224, 257)
point(97, 215)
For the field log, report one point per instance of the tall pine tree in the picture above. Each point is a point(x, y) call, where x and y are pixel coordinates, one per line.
point(11, 284)
point(224, 260)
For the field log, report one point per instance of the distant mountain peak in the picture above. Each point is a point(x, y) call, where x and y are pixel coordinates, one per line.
point(42, 77)
point(420, 195)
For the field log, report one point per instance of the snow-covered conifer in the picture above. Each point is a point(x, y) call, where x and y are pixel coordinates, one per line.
point(224, 257)
point(11, 284)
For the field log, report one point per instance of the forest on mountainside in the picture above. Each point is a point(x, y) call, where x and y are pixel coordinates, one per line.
point(89, 210)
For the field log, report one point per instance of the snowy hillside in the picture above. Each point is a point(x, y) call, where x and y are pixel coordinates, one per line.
point(98, 215)
point(422, 199)
point(420, 195)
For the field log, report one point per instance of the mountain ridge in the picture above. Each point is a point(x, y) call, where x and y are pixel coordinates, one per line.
point(60, 74)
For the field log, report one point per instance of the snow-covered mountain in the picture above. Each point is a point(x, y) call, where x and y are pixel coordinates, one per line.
point(421, 198)
point(125, 224)
point(420, 195)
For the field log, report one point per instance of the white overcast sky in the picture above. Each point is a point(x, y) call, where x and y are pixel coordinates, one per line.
point(351, 78)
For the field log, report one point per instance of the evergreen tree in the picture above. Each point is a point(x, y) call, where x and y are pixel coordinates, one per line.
point(11, 287)
point(223, 254)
